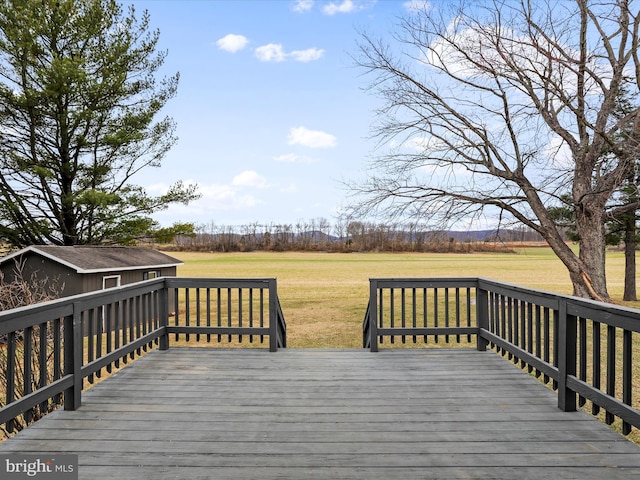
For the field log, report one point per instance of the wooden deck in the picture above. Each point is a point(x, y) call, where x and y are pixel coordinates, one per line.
point(249, 414)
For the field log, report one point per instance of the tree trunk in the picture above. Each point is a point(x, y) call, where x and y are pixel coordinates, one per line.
point(589, 278)
point(579, 273)
point(630, 258)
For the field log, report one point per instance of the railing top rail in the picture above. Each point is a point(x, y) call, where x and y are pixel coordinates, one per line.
point(613, 315)
point(202, 282)
point(425, 282)
point(28, 316)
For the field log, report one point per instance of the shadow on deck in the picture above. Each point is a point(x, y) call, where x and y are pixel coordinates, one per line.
point(245, 413)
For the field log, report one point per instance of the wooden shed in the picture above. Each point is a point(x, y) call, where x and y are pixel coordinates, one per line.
point(87, 268)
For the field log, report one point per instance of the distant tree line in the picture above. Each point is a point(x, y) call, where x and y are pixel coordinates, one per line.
point(355, 236)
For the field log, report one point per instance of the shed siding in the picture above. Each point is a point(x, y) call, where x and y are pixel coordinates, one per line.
point(44, 268)
point(75, 283)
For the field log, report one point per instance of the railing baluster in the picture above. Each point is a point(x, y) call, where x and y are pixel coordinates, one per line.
point(251, 313)
point(154, 321)
point(219, 311)
point(457, 295)
point(197, 312)
point(144, 305)
point(262, 313)
point(582, 373)
point(89, 317)
point(435, 311)
point(176, 310)
point(597, 362)
point(446, 312)
point(381, 316)
point(187, 310)
point(392, 311)
point(469, 312)
point(627, 374)
point(138, 316)
point(425, 312)
point(403, 312)
point(132, 324)
point(538, 334)
point(240, 312)
point(208, 300)
point(556, 336)
point(124, 307)
point(27, 379)
point(529, 347)
point(515, 325)
point(108, 314)
point(10, 375)
point(43, 363)
point(57, 356)
point(98, 344)
point(503, 315)
point(611, 369)
point(229, 321)
point(547, 340)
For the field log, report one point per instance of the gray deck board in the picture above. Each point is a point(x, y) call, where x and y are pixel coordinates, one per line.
point(396, 414)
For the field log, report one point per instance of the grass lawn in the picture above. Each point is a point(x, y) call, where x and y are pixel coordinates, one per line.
point(324, 295)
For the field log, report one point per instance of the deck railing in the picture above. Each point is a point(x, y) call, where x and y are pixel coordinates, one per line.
point(50, 351)
point(581, 348)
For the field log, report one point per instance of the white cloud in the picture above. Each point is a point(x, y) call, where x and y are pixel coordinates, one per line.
point(232, 43)
point(302, 6)
point(274, 52)
point(293, 158)
point(310, 138)
point(346, 6)
point(308, 55)
point(249, 178)
point(417, 5)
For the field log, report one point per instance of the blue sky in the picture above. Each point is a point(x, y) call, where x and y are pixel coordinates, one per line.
point(271, 112)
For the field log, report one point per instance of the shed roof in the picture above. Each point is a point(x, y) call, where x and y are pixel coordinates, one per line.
point(96, 259)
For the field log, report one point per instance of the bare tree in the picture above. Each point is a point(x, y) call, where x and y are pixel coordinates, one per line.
point(495, 108)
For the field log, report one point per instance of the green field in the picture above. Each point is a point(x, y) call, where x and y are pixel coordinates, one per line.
point(324, 295)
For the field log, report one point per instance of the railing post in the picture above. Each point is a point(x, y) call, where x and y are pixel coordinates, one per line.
point(567, 353)
point(373, 315)
point(164, 316)
point(482, 317)
point(73, 353)
point(273, 315)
